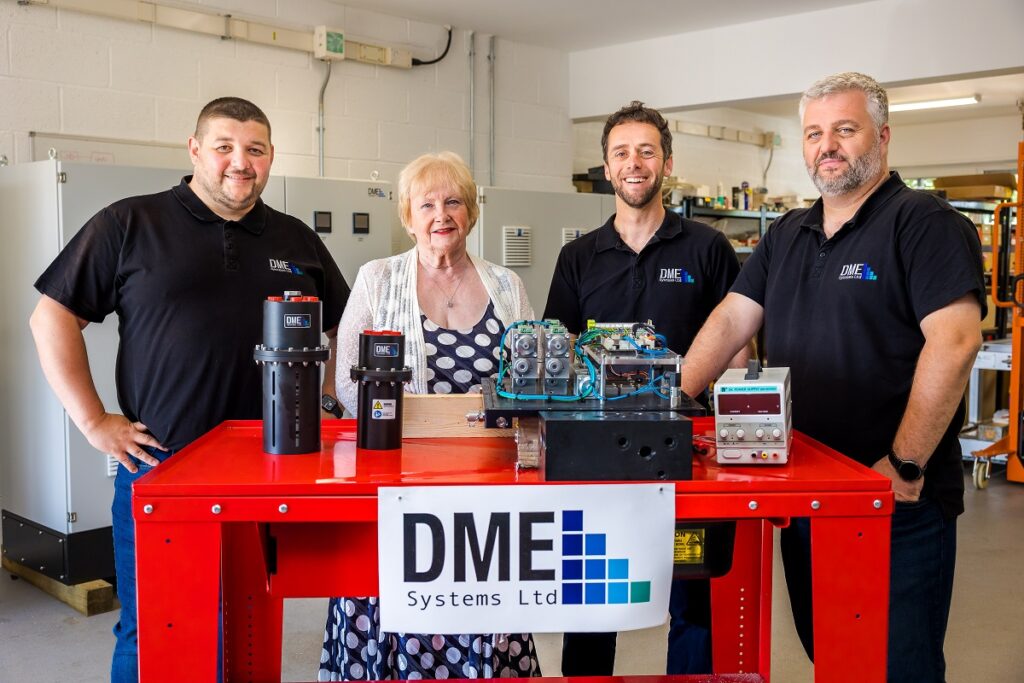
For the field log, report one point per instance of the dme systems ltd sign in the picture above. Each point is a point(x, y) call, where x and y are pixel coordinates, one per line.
point(505, 559)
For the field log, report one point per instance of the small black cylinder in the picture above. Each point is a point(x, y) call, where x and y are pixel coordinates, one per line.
point(381, 374)
point(291, 356)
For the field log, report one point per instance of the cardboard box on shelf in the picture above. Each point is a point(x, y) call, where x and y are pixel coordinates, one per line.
point(1004, 179)
point(991, 432)
point(979, 192)
point(978, 187)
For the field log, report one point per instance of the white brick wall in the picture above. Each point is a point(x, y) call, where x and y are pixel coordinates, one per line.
point(58, 56)
point(29, 105)
point(108, 114)
point(67, 72)
point(142, 68)
point(5, 61)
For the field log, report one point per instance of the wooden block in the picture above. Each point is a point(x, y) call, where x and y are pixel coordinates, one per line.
point(89, 598)
point(444, 415)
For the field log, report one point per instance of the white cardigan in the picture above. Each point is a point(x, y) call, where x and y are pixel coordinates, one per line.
point(384, 298)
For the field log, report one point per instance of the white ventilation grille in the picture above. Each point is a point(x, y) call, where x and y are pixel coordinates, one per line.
point(569, 234)
point(516, 246)
point(111, 466)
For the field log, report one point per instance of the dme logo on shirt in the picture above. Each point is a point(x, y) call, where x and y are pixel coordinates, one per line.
point(857, 271)
point(279, 266)
point(675, 275)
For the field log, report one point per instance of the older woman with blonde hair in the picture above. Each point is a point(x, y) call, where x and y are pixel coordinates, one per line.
point(452, 308)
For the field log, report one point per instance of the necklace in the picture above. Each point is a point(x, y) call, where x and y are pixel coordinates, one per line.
point(449, 300)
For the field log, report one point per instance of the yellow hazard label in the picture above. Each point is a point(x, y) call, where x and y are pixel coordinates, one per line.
point(377, 405)
point(688, 547)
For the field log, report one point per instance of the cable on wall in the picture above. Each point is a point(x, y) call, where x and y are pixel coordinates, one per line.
point(421, 62)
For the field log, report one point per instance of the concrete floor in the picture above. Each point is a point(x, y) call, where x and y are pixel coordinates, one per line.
point(42, 640)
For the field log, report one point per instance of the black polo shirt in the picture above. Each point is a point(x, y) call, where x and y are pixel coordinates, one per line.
point(675, 281)
point(188, 289)
point(844, 314)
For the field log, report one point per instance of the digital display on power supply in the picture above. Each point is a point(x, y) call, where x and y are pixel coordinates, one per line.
point(749, 404)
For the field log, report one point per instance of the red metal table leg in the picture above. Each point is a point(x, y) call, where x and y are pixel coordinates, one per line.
point(252, 616)
point(178, 570)
point(850, 577)
point(741, 604)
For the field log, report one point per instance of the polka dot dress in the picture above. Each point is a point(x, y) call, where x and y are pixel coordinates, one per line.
point(458, 359)
point(354, 646)
point(356, 649)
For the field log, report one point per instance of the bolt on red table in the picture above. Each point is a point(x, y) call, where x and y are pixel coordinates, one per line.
point(224, 526)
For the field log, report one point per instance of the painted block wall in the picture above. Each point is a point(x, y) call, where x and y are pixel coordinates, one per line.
point(71, 73)
point(896, 41)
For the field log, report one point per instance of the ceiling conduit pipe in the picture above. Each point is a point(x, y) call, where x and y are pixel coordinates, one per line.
point(471, 38)
point(490, 79)
point(320, 121)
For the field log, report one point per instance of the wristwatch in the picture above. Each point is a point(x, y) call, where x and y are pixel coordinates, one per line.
point(907, 469)
point(330, 404)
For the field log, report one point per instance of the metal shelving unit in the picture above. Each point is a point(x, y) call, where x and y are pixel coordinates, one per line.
point(974, 210)
point(763, 217)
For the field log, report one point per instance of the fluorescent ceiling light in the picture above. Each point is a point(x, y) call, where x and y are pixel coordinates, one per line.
point(935, 104)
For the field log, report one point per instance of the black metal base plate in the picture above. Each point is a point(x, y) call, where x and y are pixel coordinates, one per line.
point(68, 558)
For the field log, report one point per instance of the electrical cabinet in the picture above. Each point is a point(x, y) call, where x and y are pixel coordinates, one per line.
point(55, 489)
point(525, 229)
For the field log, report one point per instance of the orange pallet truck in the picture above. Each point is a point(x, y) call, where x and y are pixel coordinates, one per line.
point(1010, 445)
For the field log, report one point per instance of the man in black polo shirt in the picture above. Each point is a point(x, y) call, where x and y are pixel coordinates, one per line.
point(186, 271)
point(645, 263)
point(873, 297)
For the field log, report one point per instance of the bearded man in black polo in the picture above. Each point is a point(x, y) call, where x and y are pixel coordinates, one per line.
point(873, 297)
point(644, 263)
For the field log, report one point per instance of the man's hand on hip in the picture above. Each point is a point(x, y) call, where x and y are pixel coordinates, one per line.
point(906, 491)
point(114, 434)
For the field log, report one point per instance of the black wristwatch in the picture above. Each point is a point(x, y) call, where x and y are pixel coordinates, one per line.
point(330, 404)
point(907, 469)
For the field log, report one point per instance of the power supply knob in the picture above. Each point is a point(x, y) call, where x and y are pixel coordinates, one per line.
point(724, 433)
point(759, 433)
point(740, 433)
point(776, 433)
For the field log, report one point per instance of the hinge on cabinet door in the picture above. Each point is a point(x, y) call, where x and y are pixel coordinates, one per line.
point(481, 198)
point(62, 177)
point(72, 517)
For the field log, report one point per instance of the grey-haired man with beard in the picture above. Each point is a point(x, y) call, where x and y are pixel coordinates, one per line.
point(873, 297)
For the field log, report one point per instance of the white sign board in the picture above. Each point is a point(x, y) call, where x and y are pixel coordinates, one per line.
point(516, 559)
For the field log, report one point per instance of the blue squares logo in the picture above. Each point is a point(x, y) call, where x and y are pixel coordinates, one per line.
point(595, 544)
point(589, 576)
point(572, 545)
point(572, 520)
point(618, 569)
point(572, 570)
point(572, 593)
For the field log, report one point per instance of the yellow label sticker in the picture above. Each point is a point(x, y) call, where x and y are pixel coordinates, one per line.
point(688, 547)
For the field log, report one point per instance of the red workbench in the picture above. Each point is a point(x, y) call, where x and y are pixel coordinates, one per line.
point(223, 508)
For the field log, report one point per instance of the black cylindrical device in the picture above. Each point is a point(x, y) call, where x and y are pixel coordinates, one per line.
point(381, 374)
point(291, 356)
